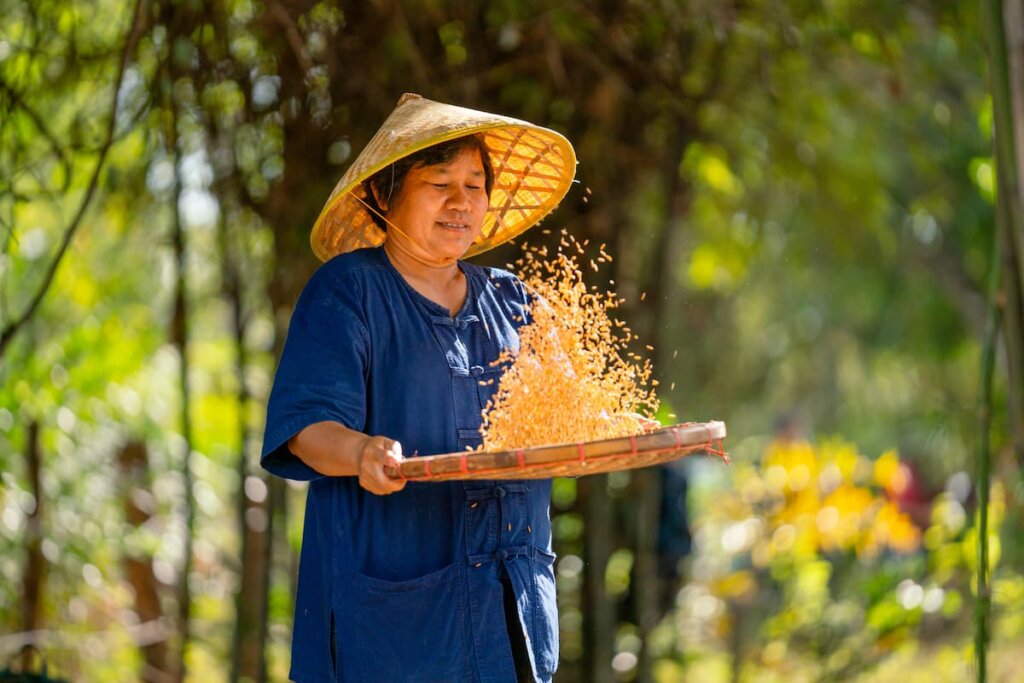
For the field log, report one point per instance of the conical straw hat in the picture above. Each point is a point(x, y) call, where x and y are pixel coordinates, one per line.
point(533, 169)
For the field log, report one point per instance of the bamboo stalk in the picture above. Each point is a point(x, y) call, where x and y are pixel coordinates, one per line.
point(1013, 229)
point(1013, 127)
point(983, 600)
point(1008, 225)
point(1013, 345)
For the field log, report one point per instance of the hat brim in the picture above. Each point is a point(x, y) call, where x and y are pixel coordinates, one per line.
point(533, 170)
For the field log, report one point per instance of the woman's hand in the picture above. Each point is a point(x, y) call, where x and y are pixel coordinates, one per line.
point(334, 450)
point(378, 452)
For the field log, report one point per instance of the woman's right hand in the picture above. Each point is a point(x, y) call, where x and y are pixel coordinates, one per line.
point(378, 452)
point(334, 450)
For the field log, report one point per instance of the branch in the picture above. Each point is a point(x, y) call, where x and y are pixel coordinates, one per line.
point(291, 32)
point(417, 62)
point(135, 32)
point(18, 101)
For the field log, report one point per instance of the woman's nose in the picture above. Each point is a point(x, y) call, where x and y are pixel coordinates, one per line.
point(458, 198)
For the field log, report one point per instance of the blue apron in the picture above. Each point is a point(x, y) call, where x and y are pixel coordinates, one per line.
point(407, 587)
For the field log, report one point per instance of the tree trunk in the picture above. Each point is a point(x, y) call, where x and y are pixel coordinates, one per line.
point(736, 614)
point(248, 662)
point(662, 328)
point(250, 638)
point(295, 200)
point(597, 609)
point(35, 563)
point(645, 585)
point(179, 339)
point(137, 500)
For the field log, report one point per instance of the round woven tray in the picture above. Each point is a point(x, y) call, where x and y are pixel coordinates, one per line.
point(569, 460)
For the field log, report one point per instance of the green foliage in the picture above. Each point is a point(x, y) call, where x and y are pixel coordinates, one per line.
point(804, 192)
point(813, 555)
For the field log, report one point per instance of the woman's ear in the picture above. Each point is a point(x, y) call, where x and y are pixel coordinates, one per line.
point(382, 203)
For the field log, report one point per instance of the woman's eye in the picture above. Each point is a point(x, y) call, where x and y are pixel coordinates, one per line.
point(440, 186)
point(473, 188)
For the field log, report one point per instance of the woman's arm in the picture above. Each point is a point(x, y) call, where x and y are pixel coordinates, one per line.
point(334, 450)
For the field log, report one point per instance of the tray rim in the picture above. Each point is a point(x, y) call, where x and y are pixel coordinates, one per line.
point(512, 463)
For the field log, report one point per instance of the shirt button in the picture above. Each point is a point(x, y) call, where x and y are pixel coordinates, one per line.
point(499, 492)
point(503, 554)
point(478, 565)
point(474, 504)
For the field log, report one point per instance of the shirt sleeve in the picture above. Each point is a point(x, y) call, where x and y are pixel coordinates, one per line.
point(322, 372)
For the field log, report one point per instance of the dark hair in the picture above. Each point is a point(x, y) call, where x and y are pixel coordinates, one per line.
point(388, 181)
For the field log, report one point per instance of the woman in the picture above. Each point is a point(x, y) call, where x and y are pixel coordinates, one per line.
point(390, 354)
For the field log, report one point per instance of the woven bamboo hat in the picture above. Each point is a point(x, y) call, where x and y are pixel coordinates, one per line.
point(533, 169)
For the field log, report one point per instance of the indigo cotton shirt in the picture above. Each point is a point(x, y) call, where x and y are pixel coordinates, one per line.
point(407, 587)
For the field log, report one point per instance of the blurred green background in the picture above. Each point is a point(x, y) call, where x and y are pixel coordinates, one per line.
point(801, 202)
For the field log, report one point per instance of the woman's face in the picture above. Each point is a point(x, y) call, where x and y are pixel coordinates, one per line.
point(441, 208)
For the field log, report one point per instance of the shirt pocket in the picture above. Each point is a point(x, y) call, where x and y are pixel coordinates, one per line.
point(405, 630)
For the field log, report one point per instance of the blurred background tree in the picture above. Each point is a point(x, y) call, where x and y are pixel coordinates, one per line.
point(801, 200)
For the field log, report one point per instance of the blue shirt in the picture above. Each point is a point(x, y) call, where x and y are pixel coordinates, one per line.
point(407, 587)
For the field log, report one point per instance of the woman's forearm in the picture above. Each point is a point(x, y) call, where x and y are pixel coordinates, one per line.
point(334, 450)
point(329, 448)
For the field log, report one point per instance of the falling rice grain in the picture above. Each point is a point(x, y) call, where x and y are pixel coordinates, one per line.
point(573, 379)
